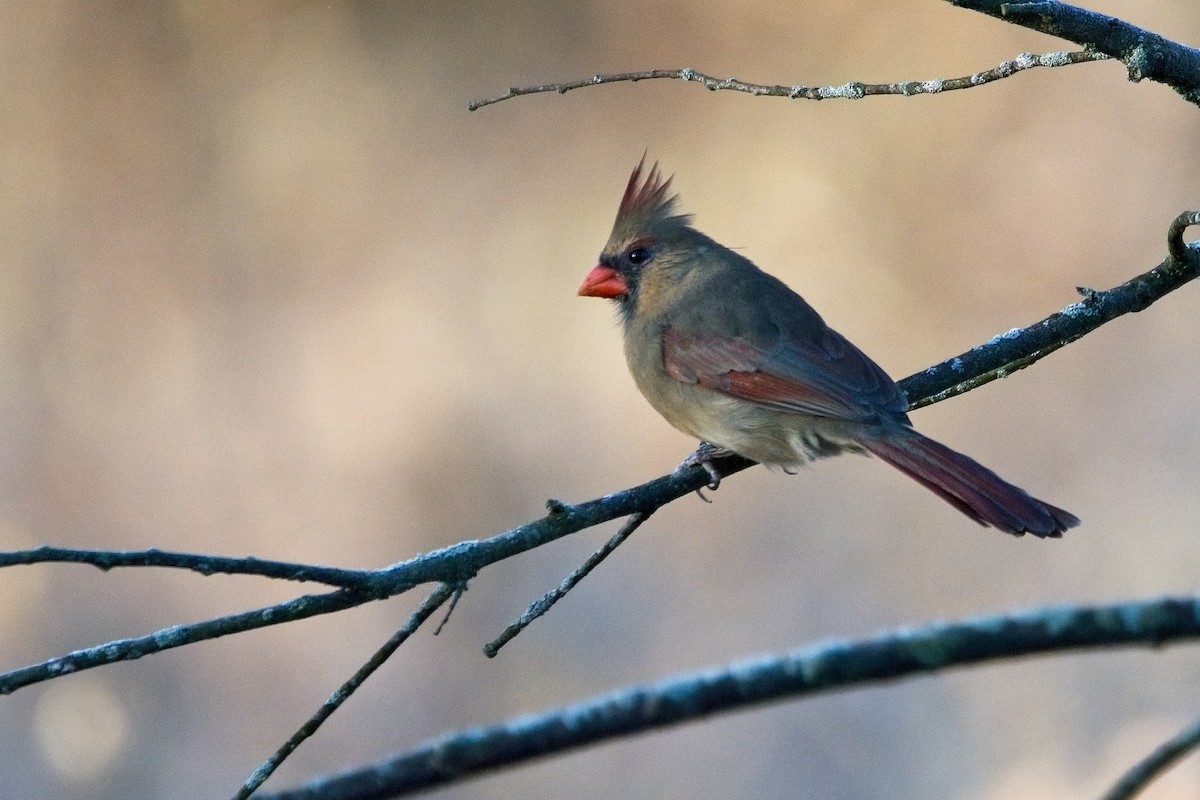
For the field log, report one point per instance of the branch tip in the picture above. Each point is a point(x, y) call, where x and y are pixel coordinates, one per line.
point(459, 590)
point(1181, 252)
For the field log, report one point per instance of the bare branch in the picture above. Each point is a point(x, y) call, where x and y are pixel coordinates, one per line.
point(1020, 347)
point(1145, 54)
point(1163, 758)
point(196, 562)
point(178, 636)
point(853, 90)
point(455, 565)
point(820, 668)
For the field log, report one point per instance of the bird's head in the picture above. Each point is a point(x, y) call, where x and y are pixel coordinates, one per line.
point(649, 245)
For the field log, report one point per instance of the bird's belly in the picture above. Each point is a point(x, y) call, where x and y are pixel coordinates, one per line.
point(765, 435)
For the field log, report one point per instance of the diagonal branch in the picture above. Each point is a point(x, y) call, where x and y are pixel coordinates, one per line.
point(1145, 54)
point(546, 601)
point(1163, 758)
point(1020, 347)
point(431, 604)
point(853, 90)
point(820, 668)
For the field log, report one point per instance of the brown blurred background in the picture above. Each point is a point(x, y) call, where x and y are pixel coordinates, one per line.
point(266, 287)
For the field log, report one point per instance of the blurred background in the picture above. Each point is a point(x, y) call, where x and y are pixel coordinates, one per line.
point(267, 287)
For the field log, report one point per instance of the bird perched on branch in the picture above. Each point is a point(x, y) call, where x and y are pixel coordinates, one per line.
point(732, 356)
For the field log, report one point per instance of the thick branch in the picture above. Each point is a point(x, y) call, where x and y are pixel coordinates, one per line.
point(821, 668)
point(1145, 54)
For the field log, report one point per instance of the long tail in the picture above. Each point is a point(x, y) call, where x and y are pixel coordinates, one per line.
point(969, 486)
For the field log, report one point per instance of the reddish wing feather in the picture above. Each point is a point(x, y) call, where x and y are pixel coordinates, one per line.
point(788, 395)
point(838, 382)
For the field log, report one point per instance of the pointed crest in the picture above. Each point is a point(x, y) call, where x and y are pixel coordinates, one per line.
point(647, 206)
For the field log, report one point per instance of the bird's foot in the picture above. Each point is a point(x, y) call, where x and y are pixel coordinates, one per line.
point(704, 456)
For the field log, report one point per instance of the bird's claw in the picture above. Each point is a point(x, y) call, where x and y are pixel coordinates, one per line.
point(704, 456)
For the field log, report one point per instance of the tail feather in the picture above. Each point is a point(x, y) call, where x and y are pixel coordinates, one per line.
point(969, 486)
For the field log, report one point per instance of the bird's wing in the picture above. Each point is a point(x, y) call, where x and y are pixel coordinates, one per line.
point(826, 377)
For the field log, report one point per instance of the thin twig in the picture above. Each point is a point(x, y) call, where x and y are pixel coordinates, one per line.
point(853, 90)
point(180, 635)
point(459, 590)
point(196, 562)
point(1145, 771)
point(836, 665)
point(415, 620)
point(543, 604)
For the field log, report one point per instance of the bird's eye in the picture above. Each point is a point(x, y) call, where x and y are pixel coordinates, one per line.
point(638, 255)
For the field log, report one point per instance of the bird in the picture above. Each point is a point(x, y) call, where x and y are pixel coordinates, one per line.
point(731, 356)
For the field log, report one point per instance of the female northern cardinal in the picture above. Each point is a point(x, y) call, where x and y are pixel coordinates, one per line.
point(732, 356)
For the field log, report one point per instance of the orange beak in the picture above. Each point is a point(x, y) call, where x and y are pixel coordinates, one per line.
point(603, 281)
